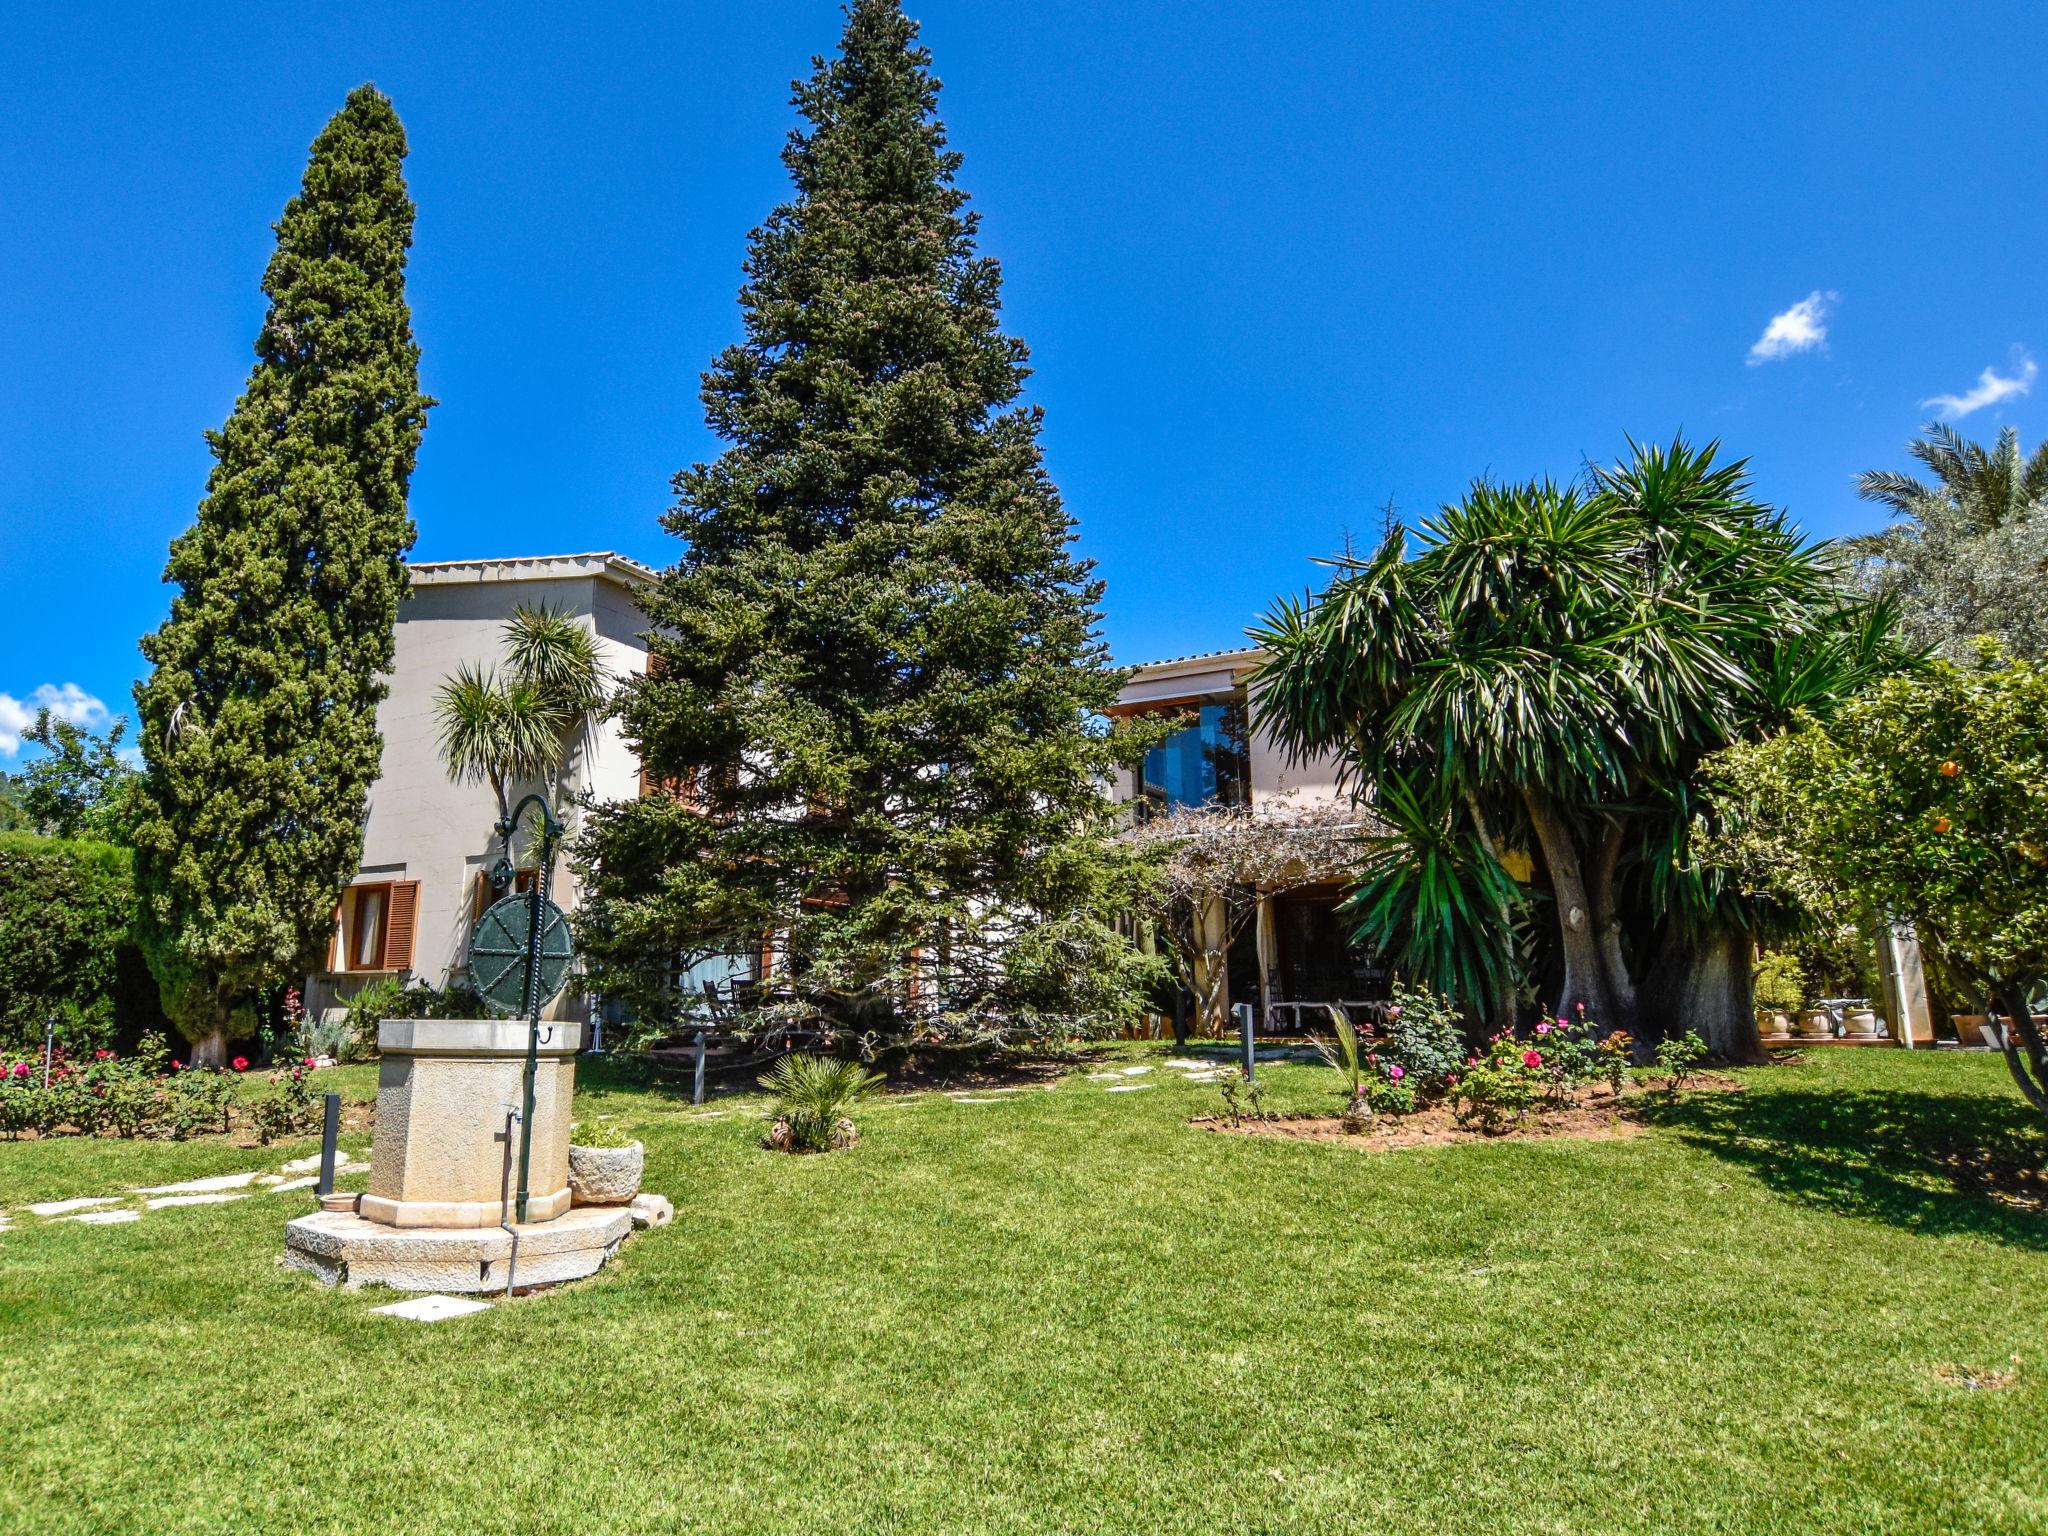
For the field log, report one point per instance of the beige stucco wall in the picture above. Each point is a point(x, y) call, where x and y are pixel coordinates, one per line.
point(424, 827)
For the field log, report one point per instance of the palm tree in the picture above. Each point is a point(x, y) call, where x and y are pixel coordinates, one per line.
point(1546, 673)
point(1967, 555)
point(518, 725)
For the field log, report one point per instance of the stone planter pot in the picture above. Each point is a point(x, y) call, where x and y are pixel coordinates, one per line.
point(1862, 1024)
point(1773, 1025)
point(1969, 1027)
point(1816, 1024)
point(605, 1175)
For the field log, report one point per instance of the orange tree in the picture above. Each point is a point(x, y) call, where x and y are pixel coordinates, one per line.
point(1926, 798)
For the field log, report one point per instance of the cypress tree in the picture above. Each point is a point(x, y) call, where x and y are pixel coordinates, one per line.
point(259, 731)
point(877, 695)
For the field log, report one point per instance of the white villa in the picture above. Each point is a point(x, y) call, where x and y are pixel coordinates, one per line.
point(430, 842)
point(1296, 951)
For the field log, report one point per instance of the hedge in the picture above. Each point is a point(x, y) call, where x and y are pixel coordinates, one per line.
point(66, 947)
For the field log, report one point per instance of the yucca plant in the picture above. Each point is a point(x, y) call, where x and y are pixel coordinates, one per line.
point(812, 1094)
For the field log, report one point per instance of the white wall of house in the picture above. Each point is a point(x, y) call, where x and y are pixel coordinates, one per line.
point(428, 831)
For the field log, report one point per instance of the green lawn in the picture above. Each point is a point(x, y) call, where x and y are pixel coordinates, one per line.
point(1070, 1312)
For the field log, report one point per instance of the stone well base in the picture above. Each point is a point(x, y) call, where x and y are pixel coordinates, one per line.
point(343, 1249)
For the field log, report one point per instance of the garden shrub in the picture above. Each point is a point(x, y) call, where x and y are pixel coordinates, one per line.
point(1678, 1058)
point(289, 1111)
point(1500, 1085)
point(1243, 1098)
point(105, 1094)
point(811, 1093)
point(66, 910)
point(1423, 1033)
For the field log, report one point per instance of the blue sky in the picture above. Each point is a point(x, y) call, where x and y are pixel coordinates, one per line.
point(1278, 266)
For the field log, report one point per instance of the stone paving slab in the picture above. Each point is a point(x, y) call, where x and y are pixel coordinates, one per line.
point(214, 1198)
point(104, 1218)
point(433, 1309)
point(65, 1207)
point(213, 1185)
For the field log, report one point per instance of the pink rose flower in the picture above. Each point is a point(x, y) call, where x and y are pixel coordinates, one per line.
point(1393, 1013)
point(1543, 1028)
point(240, 1063)
point(21, 1069)
point(1395, 1074)
point(1532, 1059)
point(309, 1060)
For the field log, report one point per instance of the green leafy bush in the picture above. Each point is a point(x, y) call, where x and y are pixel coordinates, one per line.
point(1780, 982)
point(104, 1094)
point(1678, 1058)
point(66, 909)
point(1499, 1086)
point(812, 1094)
point(288, 1112)
point(600, 1132)
point(196, 1102)
point(1425, 1035)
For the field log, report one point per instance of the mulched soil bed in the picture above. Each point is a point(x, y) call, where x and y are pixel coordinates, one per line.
point(1598, 1116)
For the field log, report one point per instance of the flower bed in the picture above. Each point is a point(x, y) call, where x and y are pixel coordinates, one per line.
point(1596, 1114)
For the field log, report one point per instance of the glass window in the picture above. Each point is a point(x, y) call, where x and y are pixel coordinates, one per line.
point(1202, 763)
point(369, 928)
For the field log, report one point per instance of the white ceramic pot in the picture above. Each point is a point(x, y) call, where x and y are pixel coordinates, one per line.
point(1816, 1024)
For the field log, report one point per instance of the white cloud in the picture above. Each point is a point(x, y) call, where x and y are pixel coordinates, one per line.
point(1992, 387)
point(67, 701)
point(1798, 329)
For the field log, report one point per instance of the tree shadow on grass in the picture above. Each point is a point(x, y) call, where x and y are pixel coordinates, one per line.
point(964, 1066)
point(1937, 1163)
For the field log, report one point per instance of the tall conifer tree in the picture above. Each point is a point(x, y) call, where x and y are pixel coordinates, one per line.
point(877, 698)
point(259, 728)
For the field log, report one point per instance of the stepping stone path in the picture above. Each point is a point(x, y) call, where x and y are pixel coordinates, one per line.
point(1132, 1087)
point(216, 1198)
point(217, 1189)
point(218, 1182)
point(66, 1207)
point(433, 1309)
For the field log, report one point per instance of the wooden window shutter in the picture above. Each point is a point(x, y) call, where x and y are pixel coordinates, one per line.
point(334, 950)
point(401, 919)
point(480, 896)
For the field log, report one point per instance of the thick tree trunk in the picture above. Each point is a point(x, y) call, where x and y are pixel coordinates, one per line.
point(212, 1051)
point(1500, 1008)
point(1585, 968)
point(1705, 986)
point(1607, 928)
point(2026, 1055)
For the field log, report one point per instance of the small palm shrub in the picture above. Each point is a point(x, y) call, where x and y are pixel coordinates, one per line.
point(812, 1094)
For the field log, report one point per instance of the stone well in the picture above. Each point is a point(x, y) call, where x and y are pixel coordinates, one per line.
point(440, 1156)
point(444, 1169)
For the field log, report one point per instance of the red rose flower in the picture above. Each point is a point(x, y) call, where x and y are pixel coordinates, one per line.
point(1532, 1059)
point(240, 1063)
